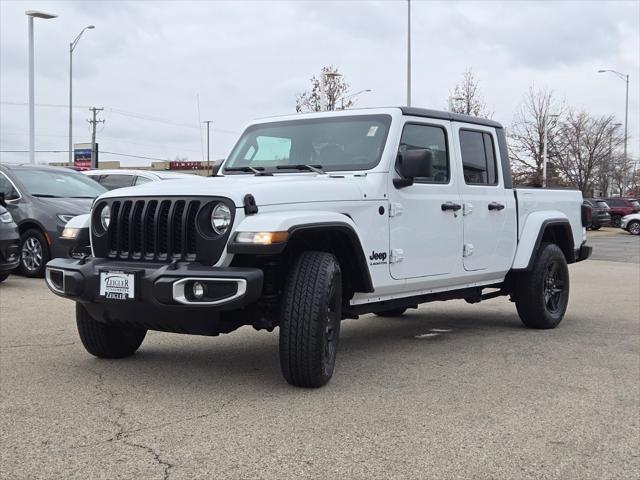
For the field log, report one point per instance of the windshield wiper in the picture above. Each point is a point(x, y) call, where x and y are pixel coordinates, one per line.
point(45, 195)
point(301, 166)
point(258, 171)
point(83, 197)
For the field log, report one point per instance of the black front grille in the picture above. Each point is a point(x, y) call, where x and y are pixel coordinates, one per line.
point(149, 229)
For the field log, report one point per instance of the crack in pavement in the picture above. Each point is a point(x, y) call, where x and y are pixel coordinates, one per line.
point(121, 434)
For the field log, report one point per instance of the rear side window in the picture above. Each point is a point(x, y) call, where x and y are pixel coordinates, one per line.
point(141, 180)
point(478, 158)
point(417, 137)
point(111, 182)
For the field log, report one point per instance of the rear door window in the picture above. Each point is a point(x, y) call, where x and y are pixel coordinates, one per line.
point(478, 158)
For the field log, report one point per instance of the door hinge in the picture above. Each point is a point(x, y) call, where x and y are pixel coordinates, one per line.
point(397, 255)
point(467, 209)
point(467, 251)
point(395, 209)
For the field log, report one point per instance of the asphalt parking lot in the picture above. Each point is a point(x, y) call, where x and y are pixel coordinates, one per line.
point(449, 391)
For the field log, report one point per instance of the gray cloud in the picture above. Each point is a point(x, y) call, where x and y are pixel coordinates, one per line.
point(249, 59)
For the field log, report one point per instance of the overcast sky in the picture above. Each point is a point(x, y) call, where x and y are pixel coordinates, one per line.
point(249, 59)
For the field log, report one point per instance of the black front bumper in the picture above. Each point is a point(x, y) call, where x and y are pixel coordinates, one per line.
point(161, 300)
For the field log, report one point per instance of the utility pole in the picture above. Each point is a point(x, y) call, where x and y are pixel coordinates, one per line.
point(208, 122)
point(408, 53)
point(544, 148)
point(94, 122)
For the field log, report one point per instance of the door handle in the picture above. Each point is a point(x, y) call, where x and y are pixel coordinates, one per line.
point(496, 206)
point(450, 206)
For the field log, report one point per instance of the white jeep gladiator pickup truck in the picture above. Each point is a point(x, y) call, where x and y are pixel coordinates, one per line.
point(320, 217)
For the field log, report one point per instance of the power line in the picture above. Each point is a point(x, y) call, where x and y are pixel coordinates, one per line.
point(101, 151)
point(125, 113)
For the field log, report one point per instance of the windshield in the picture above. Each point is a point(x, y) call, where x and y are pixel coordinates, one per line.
point(61, 183)
point(635, 204)
point(338, 143)
point(602, 204)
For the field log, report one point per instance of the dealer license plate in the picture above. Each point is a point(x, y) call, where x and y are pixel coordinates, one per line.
point(117, 285)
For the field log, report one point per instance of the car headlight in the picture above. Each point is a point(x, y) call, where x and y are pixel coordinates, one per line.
point(65, 217)
point(220, 218)
point(6, 218)
point(105, 217)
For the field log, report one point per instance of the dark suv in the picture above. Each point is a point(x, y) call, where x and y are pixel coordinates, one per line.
point(621, 207)
point(600, 213)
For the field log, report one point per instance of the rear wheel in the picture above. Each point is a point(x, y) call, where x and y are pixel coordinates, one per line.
point(393, 312)
point(106, 341)
point(596, 228)
point(4, 276)
point(542, 294)
point(310, 320)
point(634, 227)
point(34, 253)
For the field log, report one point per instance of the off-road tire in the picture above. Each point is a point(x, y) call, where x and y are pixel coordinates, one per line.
point(393, 312)
point(536, 306)
point(4, 276)
point(107, 341)
point(35, 236)
point(633, 227)
point(310, 320)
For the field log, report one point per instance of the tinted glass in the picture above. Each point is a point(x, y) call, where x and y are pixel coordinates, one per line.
point(10, 193)
point(142, 180)
point(416, 137)
point(346, 143)
point(58, 183)
point(478, 158)
point(111, 182)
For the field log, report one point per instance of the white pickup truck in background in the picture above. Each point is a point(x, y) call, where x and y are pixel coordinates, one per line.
point(319, 217)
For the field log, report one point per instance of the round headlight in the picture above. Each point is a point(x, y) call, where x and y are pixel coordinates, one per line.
point(105, 217)
point(220, 218)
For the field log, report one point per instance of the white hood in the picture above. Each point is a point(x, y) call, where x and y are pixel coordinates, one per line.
point(277, 189)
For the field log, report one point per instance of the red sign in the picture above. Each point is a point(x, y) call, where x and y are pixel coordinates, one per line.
point(82, 163)
point(187, 166)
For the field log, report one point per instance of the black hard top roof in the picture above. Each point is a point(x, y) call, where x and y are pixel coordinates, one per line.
point(455, 117)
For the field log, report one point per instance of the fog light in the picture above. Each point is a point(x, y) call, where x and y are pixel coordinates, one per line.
point(198, 290)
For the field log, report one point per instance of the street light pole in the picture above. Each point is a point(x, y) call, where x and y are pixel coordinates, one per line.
point(72, 47)
point(208, 122)
point(408, 53)
point(32, 128)
point(625, 78)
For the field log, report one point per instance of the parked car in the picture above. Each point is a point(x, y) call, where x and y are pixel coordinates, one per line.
point(42, 200)
point(112, 179)
point(321, 217)
point(620, 207)
point(9, 242)
point(600, 213)
point(631, 223)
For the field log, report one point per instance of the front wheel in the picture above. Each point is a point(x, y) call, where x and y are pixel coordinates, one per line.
point(542, 294)
point(310, 320)
point(107, 341)
point(634, 227)
point(596, 228)
point(34, 253)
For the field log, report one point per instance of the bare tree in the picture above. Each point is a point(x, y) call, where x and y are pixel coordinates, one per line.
point(526, 137)
point(335, 90)
point(466, 97)
point(586, 144)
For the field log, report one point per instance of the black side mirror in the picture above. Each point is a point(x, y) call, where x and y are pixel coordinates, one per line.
point(413, 164)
